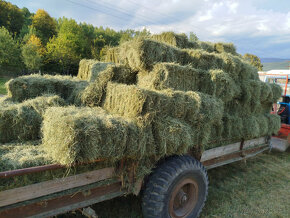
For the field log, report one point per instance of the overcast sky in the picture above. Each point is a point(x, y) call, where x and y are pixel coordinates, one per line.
point(261, 27)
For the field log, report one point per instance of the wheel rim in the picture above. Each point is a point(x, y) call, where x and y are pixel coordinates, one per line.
point(183, 198)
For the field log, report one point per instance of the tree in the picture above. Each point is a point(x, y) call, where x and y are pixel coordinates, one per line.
point(9, 50)
point(193, 37)
point(31, 57)
point(68, 47)
point(44, 24)
point(11, 17)
point(254, 60)
point(33, 53)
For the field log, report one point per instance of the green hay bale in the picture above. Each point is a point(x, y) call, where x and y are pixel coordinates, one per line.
point(112, 55)
point(31, 154)
point(277, 92)
point(232, 127)
point(31, 86)
point(133, 102)
point(221, 47)
point(250, 127)
point(90, 68)
point(84, 134)
point(142, 54)
point(207, 46)
point(22, 155)
point(172, 136)
point(233, 65)
point(186, 78)
point(173, 39)
point(93, 94)
point(266, 92)
point(175, 76)
point(22, 121)
point(274, 123)
point(263, 125)
point(5, 100)
point(225, 87)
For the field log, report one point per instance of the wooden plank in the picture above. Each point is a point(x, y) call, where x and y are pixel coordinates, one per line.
point(219, 151)
point(229, 158)
point(255, 142)
point(231, 148)
point(53, 186)
point(62, 204)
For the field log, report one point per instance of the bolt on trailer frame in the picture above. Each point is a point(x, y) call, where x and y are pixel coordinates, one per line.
point(61, 195)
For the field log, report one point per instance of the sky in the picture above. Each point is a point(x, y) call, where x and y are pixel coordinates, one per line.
point(260, 27)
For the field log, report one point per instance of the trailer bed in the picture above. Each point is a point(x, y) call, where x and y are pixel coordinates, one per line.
point(65, 194)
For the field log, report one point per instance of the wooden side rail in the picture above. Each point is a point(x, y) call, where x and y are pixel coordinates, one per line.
point(29, 192)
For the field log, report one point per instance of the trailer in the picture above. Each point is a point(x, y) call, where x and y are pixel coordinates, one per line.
point(177, 187)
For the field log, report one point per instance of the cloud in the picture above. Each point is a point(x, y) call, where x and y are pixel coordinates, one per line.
point(251, 24)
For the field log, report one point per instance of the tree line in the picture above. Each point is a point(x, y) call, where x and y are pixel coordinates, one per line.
point(40, 42)
point(32, 42)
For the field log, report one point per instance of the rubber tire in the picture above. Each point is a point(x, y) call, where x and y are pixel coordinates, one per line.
point(161, 182)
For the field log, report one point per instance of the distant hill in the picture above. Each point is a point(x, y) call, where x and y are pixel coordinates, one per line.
point(273, 60)
point(275, 64)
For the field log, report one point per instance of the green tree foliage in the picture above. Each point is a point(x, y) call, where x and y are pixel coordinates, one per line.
point(11, 17)
point(44, 25)
point(33, 53)
point(31, 58)
point(9, 50)
point(27, 23)
point(68, 47)
point(193, 37)
point(254, 60)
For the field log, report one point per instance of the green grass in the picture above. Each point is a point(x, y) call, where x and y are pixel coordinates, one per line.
point(259, 187)
point(2, 86)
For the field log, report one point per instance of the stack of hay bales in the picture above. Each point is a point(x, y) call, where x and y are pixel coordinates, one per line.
point(153, 98)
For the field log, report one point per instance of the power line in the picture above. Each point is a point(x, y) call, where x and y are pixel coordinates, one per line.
point(121, 11)
point(154, 11)
point(95, 9)
point(173, 19)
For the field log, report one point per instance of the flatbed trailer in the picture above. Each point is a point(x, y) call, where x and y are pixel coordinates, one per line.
point(61, 195)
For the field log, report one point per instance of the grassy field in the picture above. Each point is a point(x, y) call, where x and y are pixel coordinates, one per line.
point(2, 85)
point(259, 187)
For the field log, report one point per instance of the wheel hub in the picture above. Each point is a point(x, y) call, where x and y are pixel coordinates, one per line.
point(184, 198)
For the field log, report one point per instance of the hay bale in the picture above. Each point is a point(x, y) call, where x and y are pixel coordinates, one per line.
point(90, 68)
point(31, 154)
point(207, 46)
point(22, 155)
point(31, 86)
point(177, 77)
point(134, 102)
point(277, 92)
point(142, 54)
point(172, 136)
point(73, 134)
point(95, 91)
point(22, 121)
point(274, 123)
point(225, 87)
point(112, 55)
point(221, 47)
point(173, 39)
point(186, 78)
